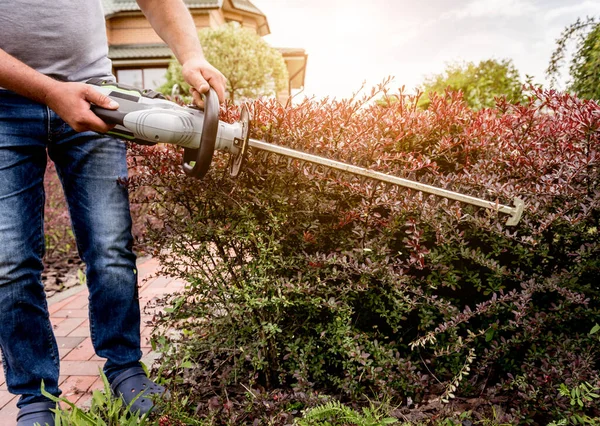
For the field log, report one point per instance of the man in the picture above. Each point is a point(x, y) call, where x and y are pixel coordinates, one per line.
point(47, 50)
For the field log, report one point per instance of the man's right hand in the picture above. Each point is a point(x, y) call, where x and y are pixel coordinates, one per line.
point(71, 101)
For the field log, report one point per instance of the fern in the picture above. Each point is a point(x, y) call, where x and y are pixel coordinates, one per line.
point(335, 413)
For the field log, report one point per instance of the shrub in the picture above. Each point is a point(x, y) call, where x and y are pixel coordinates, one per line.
point(61, 250)
point(311, 280)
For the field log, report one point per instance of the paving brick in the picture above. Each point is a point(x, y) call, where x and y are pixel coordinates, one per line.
point(2, 378)
point(160, 282)
point(71, 313)
point(145, 342)
point(59, 305)
point(56, 321)
point(80, 302)
point(147, 267)
point(8, 413)
point(147, 320)
point(86, 400)
point(83, 352)
point(65, 327)
point(69, 342)
point(82, 331)
point(148, 304)
point(5, 398)
point(97, 358)
point(65, 348)
point(177, 284)
point(146, 331)
point(79, 368)
point(143, 285)
point(62, 352)
point(154, 291)
point(97, 385)
point(76, 387)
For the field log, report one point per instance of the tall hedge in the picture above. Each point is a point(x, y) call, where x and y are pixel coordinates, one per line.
point(309, 280)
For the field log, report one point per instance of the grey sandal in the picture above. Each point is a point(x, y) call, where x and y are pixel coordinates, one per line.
point(133, 382)
point(37, 413)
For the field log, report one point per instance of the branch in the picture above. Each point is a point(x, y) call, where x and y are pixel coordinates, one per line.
point(558, 56)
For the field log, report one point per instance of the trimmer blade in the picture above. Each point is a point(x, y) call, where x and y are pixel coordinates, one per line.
point(238, 160)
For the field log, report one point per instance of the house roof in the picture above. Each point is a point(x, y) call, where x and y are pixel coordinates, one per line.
point(291, 51)
point(136, 51)
point(247, 6)
point(115, 6)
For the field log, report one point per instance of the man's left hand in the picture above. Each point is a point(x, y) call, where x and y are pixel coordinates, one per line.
point(201, 75)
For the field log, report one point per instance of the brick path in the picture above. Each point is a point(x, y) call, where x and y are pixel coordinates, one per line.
point(79, 364)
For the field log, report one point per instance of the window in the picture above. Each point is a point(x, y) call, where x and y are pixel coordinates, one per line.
point(133, 78)
point(154, 77)
point(146, 78)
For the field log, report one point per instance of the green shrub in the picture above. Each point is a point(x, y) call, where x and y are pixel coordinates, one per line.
point(303, 280)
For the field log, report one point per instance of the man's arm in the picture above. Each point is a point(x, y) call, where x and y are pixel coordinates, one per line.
point(71, 101)
point(173, 23)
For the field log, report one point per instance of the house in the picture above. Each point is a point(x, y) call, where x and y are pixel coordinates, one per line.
point(140, 57)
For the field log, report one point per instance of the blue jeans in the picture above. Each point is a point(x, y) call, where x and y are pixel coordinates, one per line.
point(90, 167)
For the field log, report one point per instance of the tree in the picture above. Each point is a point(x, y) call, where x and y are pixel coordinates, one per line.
point(480, 83)
point(585, 64)
point(252, 67)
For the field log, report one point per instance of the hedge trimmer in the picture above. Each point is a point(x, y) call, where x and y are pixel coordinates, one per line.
point(147, 117)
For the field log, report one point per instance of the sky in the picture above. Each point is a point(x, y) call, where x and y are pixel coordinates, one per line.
point(349, 42)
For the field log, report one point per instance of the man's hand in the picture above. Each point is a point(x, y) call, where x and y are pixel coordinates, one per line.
point(172, 21)
point(201, 75)
point(71, 101)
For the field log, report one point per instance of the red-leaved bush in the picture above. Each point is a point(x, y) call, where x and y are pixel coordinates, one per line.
point(307, 279)
point(60, 258)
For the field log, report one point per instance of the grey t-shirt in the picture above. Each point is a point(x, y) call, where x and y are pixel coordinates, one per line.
point(65, 39)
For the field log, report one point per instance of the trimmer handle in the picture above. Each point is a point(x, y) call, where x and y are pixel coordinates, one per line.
point(146, 119)
point(109, 116)
point(196, 162)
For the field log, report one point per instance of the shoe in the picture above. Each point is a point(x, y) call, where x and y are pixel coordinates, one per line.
point(133, 382)
point(37, 413)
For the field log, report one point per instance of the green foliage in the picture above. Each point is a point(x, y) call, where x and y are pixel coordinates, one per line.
point(580, 397)
point(585, 64)
point(585, 68)
point(105, 410)
point(252, 67)
point(335, 413)
point(581, 394)
point(552, 363)
point(595, 329)
point(479, 83)
point(303, 281)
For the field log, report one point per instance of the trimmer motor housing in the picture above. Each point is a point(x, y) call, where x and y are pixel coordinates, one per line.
point(146, 117)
